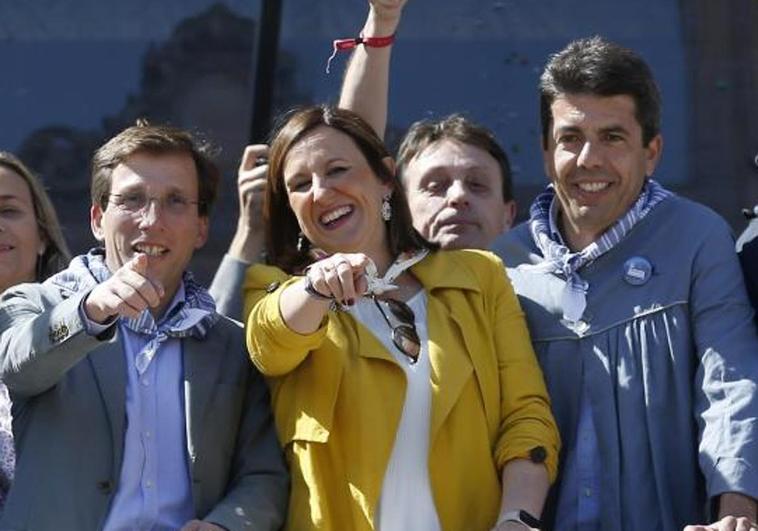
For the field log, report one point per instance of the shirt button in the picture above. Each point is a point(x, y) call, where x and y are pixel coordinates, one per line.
point(145, 382)
point(105, 486)
point(588, 492)
point(147, 435)
point(148, 484)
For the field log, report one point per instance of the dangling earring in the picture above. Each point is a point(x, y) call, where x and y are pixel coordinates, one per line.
point(302, 243)
point(386, 207)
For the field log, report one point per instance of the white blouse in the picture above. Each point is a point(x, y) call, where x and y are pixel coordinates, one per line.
point(406, 500)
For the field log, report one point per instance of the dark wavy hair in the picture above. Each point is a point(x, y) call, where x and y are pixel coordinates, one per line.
point(281, 227)
point(602, 68)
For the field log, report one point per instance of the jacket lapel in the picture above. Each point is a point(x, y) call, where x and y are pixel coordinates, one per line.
point(451, 366)
point(449, 355)
point(109, 366)
point(369, 345)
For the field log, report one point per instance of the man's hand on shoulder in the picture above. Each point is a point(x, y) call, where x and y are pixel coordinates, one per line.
point(127, 293)
point(199, 525)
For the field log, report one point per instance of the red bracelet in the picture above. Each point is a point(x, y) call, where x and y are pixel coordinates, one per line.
point(340, 45)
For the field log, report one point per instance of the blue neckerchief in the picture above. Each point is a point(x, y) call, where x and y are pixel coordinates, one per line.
point(560, 260)
point(192, 317)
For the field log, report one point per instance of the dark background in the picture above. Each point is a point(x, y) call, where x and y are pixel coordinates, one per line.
point(75, 72)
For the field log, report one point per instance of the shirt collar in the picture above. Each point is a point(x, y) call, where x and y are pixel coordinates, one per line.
point(555, 231)
point(176, 304)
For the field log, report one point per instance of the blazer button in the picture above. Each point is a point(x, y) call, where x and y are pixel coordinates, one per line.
point(538, 454)
point(105, 486)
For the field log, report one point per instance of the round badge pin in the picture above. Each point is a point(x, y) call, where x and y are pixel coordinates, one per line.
point(637, 270)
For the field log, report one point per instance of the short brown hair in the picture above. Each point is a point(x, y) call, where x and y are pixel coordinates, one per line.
point(56, 255)
point(156, 140)
point(600, 67)
point(281, 226)
point(456, 127)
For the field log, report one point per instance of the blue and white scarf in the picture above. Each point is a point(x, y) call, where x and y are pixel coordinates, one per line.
point(558, 258)
point(194, 317)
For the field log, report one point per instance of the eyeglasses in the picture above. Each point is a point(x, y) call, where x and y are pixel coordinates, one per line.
point(134, 202)
point(404, 335)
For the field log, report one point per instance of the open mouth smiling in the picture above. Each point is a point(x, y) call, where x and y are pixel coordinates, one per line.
point(150, 250)
point(330, 218)
point(593, 187)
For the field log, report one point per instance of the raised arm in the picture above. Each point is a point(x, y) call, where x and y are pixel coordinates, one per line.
point(247, 243)
point(365, 88)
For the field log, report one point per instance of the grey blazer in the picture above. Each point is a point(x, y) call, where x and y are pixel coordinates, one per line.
point(68, 390)
point(226, 287)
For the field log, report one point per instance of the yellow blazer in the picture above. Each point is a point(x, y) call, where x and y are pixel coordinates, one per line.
point(338, 396)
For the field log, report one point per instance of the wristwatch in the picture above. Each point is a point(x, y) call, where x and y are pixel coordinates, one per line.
point(520, 516)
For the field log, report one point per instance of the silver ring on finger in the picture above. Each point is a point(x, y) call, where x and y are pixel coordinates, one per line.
point(344, 263)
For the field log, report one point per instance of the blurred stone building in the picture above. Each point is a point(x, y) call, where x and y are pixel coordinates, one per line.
point(77, 71)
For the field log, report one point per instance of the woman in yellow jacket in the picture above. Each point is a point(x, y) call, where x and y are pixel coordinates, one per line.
point(405, 390)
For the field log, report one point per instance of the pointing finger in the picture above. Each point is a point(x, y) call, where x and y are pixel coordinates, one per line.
point(138, 263)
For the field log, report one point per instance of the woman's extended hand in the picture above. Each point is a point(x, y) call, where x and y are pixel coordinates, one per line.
point(340, 277)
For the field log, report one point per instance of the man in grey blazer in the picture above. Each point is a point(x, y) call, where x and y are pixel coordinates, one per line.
point(135, 405)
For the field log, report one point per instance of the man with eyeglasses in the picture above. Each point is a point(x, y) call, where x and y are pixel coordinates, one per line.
point(135, 404)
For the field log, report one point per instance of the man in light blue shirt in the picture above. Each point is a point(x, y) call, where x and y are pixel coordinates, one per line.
point(135, 404)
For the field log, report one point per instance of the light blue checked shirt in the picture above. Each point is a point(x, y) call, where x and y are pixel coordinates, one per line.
point(154, 489)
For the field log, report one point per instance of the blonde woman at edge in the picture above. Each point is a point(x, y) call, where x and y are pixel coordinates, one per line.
point(31, 249)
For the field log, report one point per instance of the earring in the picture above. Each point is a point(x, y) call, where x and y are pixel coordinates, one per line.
point(302, 243)
point(386, 208)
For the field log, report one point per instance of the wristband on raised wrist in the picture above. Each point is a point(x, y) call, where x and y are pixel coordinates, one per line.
point(340, 45)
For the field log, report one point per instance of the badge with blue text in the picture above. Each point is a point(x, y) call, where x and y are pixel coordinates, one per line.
point(637, 270)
